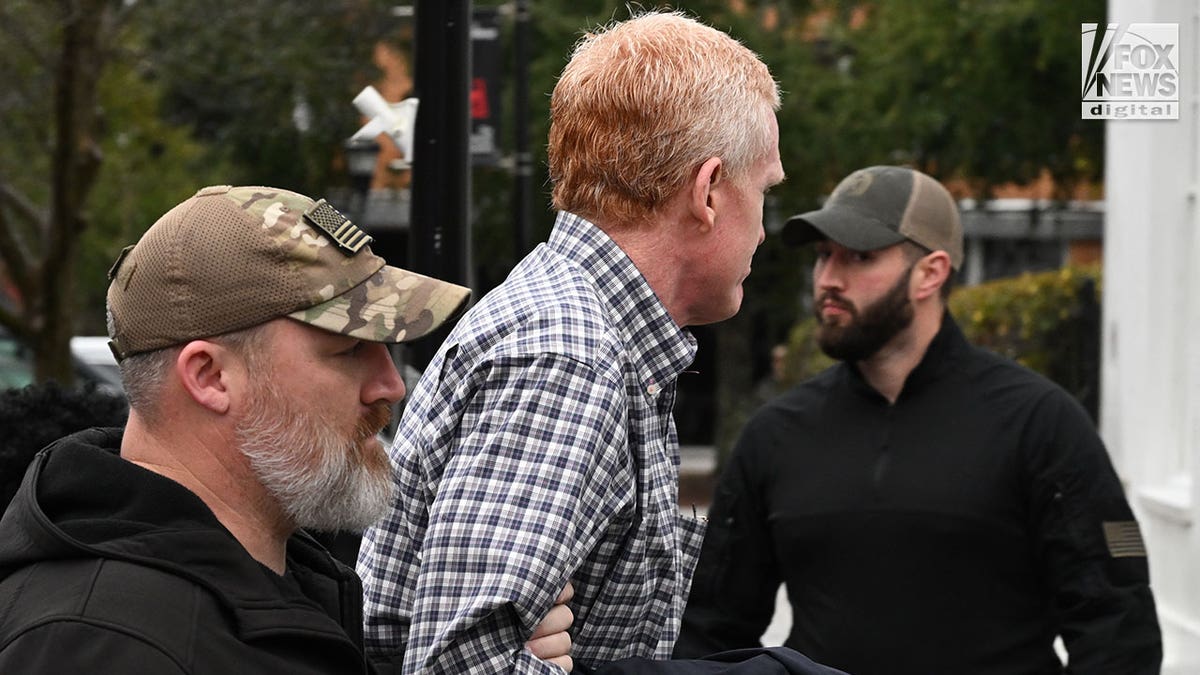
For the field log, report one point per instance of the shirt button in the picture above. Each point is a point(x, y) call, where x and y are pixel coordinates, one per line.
point(653, 389)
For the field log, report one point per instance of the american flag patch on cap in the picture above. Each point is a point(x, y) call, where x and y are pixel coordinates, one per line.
point(1124, 539)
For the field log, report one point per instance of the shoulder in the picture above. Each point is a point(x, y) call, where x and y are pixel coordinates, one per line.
point(981, 363)
point(804, 401)
point(1043, 419)
point(117, 605)
point(796, 416)
point(551, 308)
point(1005, 383)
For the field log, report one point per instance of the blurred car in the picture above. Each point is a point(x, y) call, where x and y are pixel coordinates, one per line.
point(16, 365)
point(93, 351)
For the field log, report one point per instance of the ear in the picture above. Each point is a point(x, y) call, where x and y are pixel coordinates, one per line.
point(930, 273)
point(701, 205)
point(204, 372)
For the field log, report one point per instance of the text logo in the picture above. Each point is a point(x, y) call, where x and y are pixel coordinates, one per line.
point(1130, 72)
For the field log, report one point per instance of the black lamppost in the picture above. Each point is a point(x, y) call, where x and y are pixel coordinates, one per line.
point(522, 201)
point(441, 186)
point(361, 155)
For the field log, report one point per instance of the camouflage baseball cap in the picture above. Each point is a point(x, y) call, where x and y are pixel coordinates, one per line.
point(234, 257)
point(880, 206)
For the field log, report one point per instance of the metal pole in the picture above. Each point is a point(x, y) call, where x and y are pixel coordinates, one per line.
point(524, 159)
point(441, 188)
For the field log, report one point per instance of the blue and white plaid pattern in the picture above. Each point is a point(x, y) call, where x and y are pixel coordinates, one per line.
point(539, 448)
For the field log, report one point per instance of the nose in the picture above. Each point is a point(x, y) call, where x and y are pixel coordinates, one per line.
point(384, 383)
point(827, 275)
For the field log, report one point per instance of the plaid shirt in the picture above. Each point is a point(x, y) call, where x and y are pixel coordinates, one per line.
point(538, 448)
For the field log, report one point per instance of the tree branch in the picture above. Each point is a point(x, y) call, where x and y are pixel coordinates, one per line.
point(15, 256)
point(25, 208)
point(15, 241)
point(77, 155)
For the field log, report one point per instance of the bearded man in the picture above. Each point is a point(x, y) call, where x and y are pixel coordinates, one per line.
point(251, 325)
point(931, 507)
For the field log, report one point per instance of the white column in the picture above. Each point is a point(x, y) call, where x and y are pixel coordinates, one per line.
point(1150, 411)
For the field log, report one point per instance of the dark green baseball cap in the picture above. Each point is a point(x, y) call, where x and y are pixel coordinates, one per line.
point(881, 206)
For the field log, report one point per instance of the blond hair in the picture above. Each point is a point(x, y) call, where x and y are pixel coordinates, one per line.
point(644, 102)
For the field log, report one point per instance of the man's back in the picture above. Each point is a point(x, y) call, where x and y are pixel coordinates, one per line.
point(533, 443)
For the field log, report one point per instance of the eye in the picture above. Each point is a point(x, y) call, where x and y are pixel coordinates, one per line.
point(352, 349)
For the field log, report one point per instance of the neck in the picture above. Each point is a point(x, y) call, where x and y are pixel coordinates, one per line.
point(656, 251)
point(206, 467)
point(888, 369)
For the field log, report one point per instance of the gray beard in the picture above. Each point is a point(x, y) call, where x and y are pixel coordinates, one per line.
point(315, 474)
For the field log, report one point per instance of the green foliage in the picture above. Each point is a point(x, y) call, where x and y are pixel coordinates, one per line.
point(1049, 322)
point(149, 166)
point(26, 106)
point(804, 358)
point(267, 83)
point(187, 94)
point(986, 91)
point(259, 91)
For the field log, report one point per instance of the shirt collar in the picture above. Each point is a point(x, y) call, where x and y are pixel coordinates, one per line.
point(661, 349)
point(940, 355)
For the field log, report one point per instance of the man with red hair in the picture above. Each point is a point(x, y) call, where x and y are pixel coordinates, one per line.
point(539, 447)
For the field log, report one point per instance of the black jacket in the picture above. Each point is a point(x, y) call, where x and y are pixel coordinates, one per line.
point(108, 568)
point(755, 661)
point(957, 530)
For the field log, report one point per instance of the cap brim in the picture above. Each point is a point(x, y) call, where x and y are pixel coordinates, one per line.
point(393, 305)
point(853, 230)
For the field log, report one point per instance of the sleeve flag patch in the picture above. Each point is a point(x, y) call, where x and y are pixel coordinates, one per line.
point(1124, 539)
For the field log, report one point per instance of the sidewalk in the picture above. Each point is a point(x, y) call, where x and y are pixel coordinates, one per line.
point(697, 477)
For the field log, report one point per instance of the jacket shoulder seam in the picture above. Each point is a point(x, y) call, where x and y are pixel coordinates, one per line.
point(127, 631)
